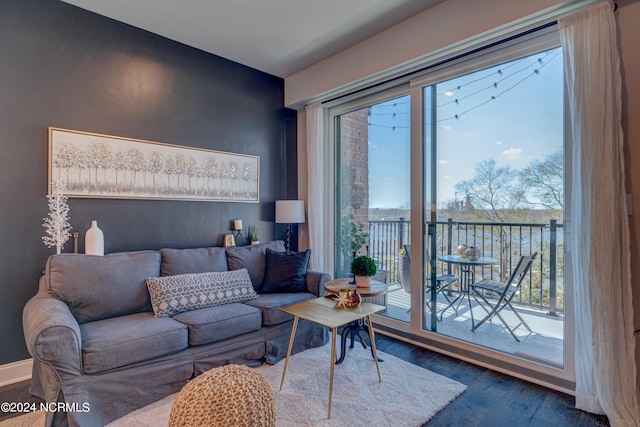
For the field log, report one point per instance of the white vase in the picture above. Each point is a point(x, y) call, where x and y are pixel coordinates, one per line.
point(363, 281)
point(94, 240)
point(255, 242)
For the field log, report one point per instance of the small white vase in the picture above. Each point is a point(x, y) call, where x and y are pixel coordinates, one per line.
point(255, 242)
point(94, 240)
point(363, 281)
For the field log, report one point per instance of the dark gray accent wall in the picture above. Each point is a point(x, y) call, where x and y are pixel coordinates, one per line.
point(63, 66)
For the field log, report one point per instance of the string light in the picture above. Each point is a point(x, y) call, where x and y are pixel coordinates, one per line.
point(499, 72)
point(389, 114)
point(494, 97)
point(388, 127)
point(494, 85)
point(540, 63)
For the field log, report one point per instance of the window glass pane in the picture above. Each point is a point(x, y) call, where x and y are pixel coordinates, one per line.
point(496, 137)
point(491, 139)
point(373, 199)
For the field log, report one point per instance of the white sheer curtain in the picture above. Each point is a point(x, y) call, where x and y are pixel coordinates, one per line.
point(598, 237)
point(316, 179)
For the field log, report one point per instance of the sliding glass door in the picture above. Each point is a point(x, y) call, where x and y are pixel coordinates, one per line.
point(494, 182)
point(464, 161)
point(373, 215)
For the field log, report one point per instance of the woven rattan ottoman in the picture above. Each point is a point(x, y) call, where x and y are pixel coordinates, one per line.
point(231, 395)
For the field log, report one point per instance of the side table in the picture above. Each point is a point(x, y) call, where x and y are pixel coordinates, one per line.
point(323, 311)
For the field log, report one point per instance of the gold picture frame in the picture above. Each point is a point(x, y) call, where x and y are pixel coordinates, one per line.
point(104, 166)
point(229, 240)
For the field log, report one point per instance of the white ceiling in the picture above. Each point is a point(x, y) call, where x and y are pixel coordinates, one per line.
point(280, 37)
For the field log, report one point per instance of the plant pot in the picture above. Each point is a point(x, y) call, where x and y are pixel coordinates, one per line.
point(363, 281)
point(255, 242)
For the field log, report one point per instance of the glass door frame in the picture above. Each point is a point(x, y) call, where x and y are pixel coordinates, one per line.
point(332, 116)
point(414, 332)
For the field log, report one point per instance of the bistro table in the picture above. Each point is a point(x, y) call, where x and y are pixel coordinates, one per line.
point(353, 329)
point(467, 276)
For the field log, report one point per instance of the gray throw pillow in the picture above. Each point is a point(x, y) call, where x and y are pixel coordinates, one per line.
point(183, 292)
point(285, 272)
point(100, 287)
point(253, 259)
point(197, 260)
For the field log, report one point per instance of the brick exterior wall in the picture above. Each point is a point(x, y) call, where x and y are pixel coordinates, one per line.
point(354, 182)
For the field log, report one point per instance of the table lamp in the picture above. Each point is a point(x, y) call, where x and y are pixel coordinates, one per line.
point(289, 212)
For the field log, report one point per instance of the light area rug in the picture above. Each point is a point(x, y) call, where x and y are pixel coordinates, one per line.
point(407, 396)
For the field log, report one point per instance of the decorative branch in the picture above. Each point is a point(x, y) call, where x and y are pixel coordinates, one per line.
point(57, 224)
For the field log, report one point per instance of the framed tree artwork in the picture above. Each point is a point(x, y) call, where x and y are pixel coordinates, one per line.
point(103, 166)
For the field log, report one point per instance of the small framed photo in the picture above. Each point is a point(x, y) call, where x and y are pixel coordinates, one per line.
point(229, 240)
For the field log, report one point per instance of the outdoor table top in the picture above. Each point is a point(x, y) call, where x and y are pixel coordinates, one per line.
point(455, 259)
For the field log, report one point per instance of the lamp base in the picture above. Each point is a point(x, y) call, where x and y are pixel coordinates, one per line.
point(288, 240)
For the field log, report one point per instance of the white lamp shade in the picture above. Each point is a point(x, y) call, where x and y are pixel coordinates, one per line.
point(289, 211)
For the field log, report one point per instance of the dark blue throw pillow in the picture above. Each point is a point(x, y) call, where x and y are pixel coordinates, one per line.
point(285, 272)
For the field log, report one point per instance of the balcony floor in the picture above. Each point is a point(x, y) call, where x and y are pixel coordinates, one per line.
point(543, 345)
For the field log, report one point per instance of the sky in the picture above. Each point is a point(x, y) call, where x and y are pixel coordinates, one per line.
point(522, 122)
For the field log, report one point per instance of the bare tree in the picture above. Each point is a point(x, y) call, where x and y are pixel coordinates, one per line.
point(493, 193)
point(544, 181)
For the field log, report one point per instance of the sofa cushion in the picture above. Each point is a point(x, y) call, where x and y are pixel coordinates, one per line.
point(198, 260)
point(100, 287)
point(212, 324)
point(270, 305)
point(174, 294)
point(285, 271)
point(120, 341)
point(253, 259)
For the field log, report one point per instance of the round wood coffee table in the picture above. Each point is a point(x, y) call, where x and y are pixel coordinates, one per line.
point(353, 329)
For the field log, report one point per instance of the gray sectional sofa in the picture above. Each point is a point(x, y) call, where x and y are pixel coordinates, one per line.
point(99, 345)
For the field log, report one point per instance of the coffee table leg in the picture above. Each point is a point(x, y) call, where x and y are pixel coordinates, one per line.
point(334, 334)
point(373, 346)
point(286, 362)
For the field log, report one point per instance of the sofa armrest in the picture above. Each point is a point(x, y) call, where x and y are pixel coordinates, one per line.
point(315, 282)
point(52, 334)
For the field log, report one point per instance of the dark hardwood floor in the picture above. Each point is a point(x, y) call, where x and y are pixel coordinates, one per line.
point(492, 399)
point(13, 393)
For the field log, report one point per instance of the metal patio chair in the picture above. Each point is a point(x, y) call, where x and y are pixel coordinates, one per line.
point(443, 281)
point(505, 291)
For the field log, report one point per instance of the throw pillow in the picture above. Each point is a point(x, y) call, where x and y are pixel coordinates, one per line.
point(174, 294)
point(196, 260)
point(285, 271)
point(253, 259)
point(101, 287)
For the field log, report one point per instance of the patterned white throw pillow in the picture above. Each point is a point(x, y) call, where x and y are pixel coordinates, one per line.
point(183, 292)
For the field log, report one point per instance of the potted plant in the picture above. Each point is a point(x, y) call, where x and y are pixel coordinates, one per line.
point(363, 268)
point(254, 235)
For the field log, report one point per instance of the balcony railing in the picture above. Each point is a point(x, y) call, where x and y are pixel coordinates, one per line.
point(504, 241)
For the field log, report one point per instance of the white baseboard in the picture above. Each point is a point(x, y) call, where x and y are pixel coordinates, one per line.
point(15, 372)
